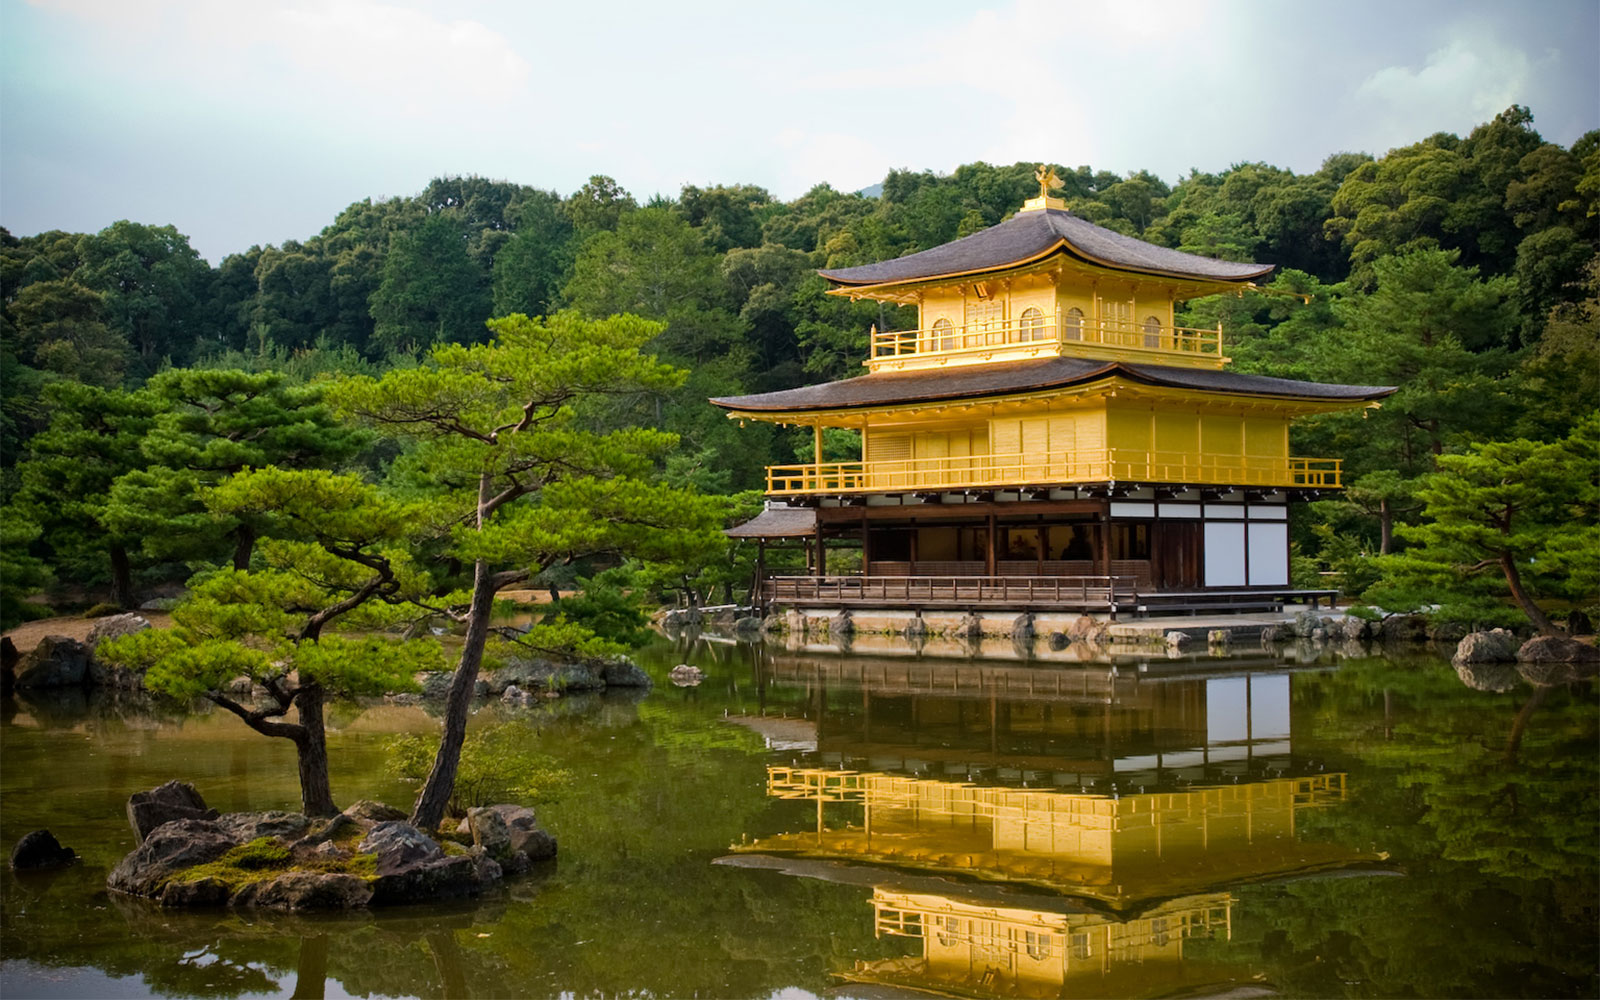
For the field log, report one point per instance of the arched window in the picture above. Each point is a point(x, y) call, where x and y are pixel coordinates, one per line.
point(1072, 324)
point(1152, 331)
point(944, 335)
point(1031, 324)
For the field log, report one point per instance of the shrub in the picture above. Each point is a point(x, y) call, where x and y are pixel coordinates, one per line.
point(496, 766)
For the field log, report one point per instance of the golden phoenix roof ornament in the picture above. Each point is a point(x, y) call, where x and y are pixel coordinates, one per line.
point(1046, 176)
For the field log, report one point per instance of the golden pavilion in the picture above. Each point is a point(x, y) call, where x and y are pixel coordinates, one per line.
point(1048, 438)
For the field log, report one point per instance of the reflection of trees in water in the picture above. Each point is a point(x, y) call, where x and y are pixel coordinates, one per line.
point(1488, 799)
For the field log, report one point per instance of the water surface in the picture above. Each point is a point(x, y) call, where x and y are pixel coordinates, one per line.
point(882, 822)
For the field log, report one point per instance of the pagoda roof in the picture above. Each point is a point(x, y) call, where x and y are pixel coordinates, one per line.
point(1030, 236)
point(777, 522)
point(1008, 378)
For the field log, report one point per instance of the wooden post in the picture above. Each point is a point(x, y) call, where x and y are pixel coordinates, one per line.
point(988, 556)
point(758, 599)
point(866, 551)
point(822, 553)
point(1105, 542)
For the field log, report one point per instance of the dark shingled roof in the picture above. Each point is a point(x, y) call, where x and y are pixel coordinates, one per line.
point(1006, 378)
point(1030, 235)
point(777, 522)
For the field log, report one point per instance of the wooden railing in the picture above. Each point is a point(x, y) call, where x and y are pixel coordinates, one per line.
point(1149, 341)
point(1108, 465)
point(1110, 592)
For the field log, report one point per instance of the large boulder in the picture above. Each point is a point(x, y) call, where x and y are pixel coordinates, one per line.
point(1086, 628)
point(303, 890)
point(399, 846)
point(1497, 646)
point(115, 627)
point(172, 801)
point(623, 673)
point(681, 618)
point(1560, 649)
point(1305, 623)
point(1350, 629)
point(444, 877)
point(245, 827)
point(1578, 623)
point(1403, 628)
point(1022, 630)
point(536, 676)
point(57, 661)
point(369, 813)
point(39, 850)
point(170, 848)
point(842, 624)
point(505, 831)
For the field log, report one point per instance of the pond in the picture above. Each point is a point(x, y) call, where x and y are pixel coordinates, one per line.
point(890, 823)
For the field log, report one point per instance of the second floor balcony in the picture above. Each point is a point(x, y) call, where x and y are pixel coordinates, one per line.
point(1035, 334)
point(1124, 465)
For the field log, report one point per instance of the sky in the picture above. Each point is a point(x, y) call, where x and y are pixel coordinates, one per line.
point(256, 121)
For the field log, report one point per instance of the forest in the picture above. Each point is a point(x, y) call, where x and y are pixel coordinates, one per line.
point(146, 391)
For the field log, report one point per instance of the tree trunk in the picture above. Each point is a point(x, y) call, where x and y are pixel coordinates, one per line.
point(1385, 526)
point(316, 795)
point(311, 974)
point(244, 545)
point(429, 810)
point(1533, 611)
point(121, 577)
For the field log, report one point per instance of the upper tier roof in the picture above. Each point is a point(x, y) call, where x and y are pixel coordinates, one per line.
point(1032, 235)
point(1008, 378)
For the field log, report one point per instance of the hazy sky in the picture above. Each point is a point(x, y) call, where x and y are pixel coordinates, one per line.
point(256, 121)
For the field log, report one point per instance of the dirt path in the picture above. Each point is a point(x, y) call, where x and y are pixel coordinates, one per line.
point(27, 635)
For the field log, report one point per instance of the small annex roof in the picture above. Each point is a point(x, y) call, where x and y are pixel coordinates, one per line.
point(777, 522)
point(1009, 378)
point(1033, 235)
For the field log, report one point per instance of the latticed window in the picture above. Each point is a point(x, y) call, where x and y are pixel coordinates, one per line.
point(1159, 934)
point(944, 335)
point(1038, 945)
point(1072, 324)
point(1080, 946)
point(1031, 324)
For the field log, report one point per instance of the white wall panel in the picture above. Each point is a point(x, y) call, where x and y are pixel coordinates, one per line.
point(1132, 509)
point(1269, 555)
point(1224, 555)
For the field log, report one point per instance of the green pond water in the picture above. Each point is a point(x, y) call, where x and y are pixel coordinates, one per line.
point(889, 824)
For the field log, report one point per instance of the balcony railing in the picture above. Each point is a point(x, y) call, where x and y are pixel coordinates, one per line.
point(1080, 592)
point(1110, 465)
point(1059, 334)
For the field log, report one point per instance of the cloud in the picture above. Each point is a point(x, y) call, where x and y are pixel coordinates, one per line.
point(324, 54)
point(1470, 80)
point(401, 54)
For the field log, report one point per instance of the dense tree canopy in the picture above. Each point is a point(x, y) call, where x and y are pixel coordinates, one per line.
point(1461, 268)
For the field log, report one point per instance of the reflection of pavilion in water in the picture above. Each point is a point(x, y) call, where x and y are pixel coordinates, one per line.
point(1102, 817)
point(1017, 950)
point(1106, 728)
